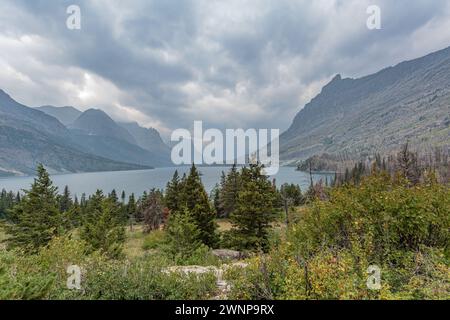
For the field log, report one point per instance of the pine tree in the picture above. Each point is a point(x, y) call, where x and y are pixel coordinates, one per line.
point(102, 229)
point(172, 198)
point(144, 195)
point(254, 210)
point(83, 200)
point(183, 235)
point(196, 202)
point(65, 200)
point(92, 206)
point(6, 202)
point(407, 165)
point(215, 197)
point(292, 194)
point(3, 206)
point(37, 218)
point(181, 192)
point(73, 216)
point(113, 196)
point(132, 213)
point(230, 191)
point(121, 208)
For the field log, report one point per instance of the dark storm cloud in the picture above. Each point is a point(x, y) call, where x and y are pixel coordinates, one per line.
point(229, 63)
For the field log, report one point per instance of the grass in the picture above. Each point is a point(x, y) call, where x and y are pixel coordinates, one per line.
point(224, 224)
point(154, 240)
point(3, 237)
point(134, 242)
point(133, 247)
point(296, 213)
point(137, 243)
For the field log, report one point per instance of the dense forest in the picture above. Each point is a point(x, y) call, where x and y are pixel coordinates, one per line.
point(391, 215)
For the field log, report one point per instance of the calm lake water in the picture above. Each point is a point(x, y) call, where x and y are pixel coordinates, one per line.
point(139, 181)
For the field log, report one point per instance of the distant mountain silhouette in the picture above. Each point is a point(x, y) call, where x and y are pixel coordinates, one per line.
point(98, 123)
point(376, 113)
point(12, 110)
point(95, 132)
point(29, 136)
point(148, 139)
point(66, 115)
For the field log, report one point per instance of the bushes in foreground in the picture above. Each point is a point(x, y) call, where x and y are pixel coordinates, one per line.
point(333, 274)
point(381, 216)
point(44, 276)
point(326, 252)
point(384, 222)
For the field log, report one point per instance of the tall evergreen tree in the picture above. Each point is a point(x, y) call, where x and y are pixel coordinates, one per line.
point(215, 198)
point(7, 201)
point(196, 202)
point(37, 218)
point(254, 210)
point(119, 205)
point(65, 200)
point(407, 165)
point(102, 228)
point(73, 217)
point(113, 196)
point(132, 212)
point(183, 236)
point(172, 198)
point(231, 186)
point(292, 193)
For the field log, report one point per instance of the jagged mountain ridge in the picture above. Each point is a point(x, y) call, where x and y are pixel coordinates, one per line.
point(96, 122)
point(11, 110)
point(146, 138)
point(376, 113)
point(66, 115)
point(29, 136)
point(95, 132)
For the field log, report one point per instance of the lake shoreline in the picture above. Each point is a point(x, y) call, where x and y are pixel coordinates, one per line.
point(138, 181)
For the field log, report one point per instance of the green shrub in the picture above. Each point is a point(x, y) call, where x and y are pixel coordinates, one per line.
point(154, 240)
point(183, 236)
point(19, 279)
point(381, 216)
point(42, 275)
point(403, 230)
point(144, 279)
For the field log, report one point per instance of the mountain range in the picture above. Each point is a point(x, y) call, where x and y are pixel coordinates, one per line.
point(68, 140)
point(353, 117)
point(66, 115)
point(376, 113)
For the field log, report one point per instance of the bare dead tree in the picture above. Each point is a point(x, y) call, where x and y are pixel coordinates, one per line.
point(153, 211)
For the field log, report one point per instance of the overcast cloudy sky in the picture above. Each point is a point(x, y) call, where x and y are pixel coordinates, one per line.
point(230, 63)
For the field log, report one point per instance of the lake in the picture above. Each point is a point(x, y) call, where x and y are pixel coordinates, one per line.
point(139, 181)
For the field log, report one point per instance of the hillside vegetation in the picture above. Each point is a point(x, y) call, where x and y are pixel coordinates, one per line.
point(379, 234)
